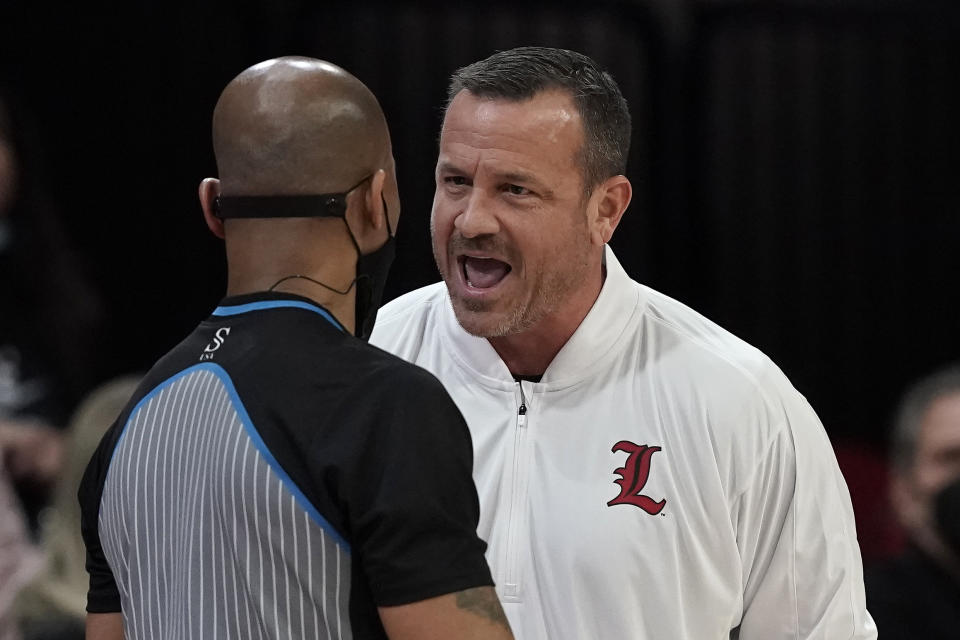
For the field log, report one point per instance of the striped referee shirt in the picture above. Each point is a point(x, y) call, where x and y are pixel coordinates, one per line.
point(275, 477)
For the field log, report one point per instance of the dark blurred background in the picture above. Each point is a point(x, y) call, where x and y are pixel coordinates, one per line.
point(795, 165)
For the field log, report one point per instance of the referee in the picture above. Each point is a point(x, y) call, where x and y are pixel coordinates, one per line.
point(274, 476)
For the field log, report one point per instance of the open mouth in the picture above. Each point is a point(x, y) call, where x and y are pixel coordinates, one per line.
point(483, 273)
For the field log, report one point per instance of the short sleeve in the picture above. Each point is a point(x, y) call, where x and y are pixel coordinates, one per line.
point(103, 595)
point(411, 502)
point(803, 576)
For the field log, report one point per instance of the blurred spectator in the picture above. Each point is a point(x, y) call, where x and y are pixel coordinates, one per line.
point(947, 514)
point(49, 316)
point(917, 595)
point(52, 606)
point(18, 560)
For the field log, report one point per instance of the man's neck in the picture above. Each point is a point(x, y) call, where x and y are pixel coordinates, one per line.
point(530, 352)
point(340, 306)
point(262, 255)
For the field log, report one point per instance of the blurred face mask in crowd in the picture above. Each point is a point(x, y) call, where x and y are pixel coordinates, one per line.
point(936, 465)
point(947, 515)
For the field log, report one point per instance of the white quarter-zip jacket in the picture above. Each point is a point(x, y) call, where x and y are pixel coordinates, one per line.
point(663, 480)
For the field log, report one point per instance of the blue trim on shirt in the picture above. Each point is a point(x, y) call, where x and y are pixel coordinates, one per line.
point(251, 430)
point(233, 310)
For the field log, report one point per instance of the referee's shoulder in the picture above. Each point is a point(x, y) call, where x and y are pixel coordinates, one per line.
point(398, 374)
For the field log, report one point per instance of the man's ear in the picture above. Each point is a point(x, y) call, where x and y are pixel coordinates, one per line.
point(374, 202)
point(371, 233)
point(607, 204)
point(209, 190)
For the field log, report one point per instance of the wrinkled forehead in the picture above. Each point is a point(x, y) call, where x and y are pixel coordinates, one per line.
point(549, 114)
point(547, 124)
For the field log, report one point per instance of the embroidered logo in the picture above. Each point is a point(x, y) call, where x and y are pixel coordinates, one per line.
point(218, 339)
point(633, 477)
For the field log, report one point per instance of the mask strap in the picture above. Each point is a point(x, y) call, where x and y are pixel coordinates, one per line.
point(386, 215)
point(324, 205)
point(325, 286)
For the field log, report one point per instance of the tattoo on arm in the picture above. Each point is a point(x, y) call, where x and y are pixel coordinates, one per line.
point(482, 601)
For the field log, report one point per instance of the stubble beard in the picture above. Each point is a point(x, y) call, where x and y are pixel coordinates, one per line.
point(551, 289)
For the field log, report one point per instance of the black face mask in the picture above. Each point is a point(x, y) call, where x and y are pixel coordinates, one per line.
point(947, 514)
point(372, 271)
point(372, 268)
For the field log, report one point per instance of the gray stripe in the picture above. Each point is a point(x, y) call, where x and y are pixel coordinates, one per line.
point(160, 497)
point(204, 539)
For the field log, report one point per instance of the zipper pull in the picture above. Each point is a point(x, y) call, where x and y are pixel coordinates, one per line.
point(522, 411)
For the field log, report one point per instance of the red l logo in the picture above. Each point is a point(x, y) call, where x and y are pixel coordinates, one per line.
point(633, 477)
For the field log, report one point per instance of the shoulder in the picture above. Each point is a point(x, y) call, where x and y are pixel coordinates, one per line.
point(392, 401)
point(746, 405)
point(909, 597)
point(420, 301)
point(403, 322)
point(668, 333)
point(397, 376)
point(691, 347)
point(382, 384)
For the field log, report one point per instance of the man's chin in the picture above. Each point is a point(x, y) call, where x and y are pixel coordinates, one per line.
point(480, 320)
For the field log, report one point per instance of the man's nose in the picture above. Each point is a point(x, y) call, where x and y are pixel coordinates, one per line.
point(477, 217)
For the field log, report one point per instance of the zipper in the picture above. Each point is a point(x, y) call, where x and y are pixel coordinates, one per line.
point(522, 410)
point(518, 495)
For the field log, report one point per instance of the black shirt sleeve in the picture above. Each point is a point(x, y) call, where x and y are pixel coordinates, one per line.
point(412, 507)
point(103, 596)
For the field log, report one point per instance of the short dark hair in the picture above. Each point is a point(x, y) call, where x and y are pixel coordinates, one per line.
point(913, 408)
point(522, 73)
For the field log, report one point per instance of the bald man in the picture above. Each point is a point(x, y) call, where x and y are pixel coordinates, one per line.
point(274, 475)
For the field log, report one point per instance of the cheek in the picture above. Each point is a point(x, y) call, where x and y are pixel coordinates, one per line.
point(933, 476)
point(557, 247)
point(441, 224)
point(573, 240)
point(441, 212)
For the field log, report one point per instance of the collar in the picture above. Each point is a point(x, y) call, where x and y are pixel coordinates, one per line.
point(617, 307)
point(261, 300)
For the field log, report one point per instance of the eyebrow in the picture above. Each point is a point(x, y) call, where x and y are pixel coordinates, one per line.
point(507, 176)
point(526, 178)
point(449, 167)
point(512, 176)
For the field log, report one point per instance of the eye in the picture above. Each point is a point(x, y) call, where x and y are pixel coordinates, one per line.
point(457, 181)
point(517, 190)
